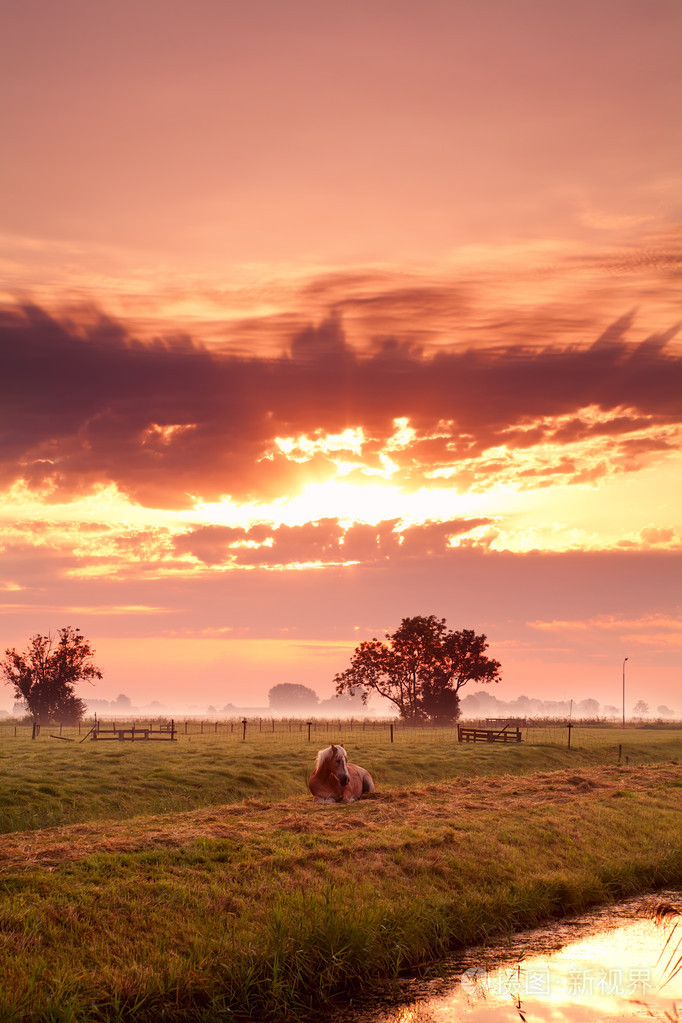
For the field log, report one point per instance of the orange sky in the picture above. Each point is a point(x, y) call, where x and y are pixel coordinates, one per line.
point(314, 318)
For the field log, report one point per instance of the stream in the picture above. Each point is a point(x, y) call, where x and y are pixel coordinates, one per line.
point(616, 963)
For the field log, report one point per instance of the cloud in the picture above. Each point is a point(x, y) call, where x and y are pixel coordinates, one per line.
point(108, 610)
point(324, 542)
point(653, 536)
point(658, 631)
point(173, 422)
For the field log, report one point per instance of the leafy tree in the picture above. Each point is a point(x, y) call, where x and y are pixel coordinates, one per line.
point(45, 674)
point(420, 668)
point(290, 696)
point(665, 711)
point(640, 708)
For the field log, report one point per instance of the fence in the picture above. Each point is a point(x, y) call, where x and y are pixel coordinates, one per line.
point(162, 733)
point(505, 734)
point(322, 731)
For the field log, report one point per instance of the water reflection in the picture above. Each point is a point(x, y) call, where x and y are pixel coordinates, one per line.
point(620, 965)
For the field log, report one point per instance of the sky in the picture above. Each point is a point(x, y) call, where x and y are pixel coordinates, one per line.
point(315, 318)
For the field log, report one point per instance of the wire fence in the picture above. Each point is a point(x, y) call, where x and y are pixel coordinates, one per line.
point(322, 731)
point(265, 728)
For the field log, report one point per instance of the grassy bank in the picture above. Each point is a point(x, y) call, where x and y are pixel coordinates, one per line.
point(268, 907)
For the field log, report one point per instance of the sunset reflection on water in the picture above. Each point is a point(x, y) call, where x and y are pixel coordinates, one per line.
point(622, 972)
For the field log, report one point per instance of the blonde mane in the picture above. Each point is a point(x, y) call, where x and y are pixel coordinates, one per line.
point(324, 756)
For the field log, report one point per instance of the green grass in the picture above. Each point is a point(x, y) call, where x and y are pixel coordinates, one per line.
point(47, 782)
point(197, 881)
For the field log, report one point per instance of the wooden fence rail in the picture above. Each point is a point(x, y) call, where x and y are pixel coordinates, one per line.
point(465, 734)
point(162, 732)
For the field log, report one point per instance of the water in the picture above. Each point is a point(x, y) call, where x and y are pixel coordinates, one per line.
point(614, 964)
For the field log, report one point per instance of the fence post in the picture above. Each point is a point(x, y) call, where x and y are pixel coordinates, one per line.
point(569, 726)
point(391, 733)
point(244, 729)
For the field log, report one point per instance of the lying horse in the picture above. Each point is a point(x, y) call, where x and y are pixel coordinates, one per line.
point(334, 780)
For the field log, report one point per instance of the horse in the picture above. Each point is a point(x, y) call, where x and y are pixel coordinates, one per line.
point(334, 780)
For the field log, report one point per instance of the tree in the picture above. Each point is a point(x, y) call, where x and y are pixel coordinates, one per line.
point(45, 674)
point(420, 668)
point(588, 708)
point(640, 708)
point(290, 696)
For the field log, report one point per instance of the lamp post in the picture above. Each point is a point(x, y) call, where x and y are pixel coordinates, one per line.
point(624, 691)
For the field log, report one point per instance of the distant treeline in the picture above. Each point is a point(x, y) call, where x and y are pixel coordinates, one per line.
point(284, 701)
point(483, 704)
point(300, 701)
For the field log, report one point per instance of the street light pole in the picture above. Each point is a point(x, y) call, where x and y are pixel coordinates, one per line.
point(624, 692)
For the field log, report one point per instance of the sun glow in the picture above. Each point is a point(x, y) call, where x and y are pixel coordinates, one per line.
point(303, 447)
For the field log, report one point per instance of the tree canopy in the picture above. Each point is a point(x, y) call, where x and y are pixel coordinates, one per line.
point(420, 668)
point(291, 696)
point(44, 676)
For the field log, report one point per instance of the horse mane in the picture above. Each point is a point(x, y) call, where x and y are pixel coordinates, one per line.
point(323, 757)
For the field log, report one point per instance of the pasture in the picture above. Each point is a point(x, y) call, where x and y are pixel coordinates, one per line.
point(197, 880)
point(49, 782)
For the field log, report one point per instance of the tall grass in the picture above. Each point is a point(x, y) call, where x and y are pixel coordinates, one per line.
point(294, 908)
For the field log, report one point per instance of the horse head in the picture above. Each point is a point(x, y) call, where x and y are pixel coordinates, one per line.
point(338, 764)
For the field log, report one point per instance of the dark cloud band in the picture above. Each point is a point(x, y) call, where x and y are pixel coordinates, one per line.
point(173, 421)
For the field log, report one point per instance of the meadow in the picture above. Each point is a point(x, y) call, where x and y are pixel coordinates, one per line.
point(196, 880)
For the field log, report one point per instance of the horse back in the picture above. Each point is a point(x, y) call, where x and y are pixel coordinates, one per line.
point(360, 780)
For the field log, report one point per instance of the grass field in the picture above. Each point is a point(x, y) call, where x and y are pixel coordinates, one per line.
point(196, 880)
